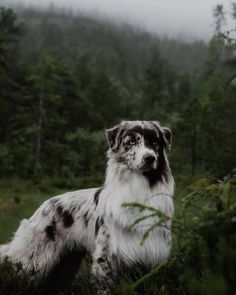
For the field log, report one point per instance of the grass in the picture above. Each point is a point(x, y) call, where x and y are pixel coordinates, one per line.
point(18, 200)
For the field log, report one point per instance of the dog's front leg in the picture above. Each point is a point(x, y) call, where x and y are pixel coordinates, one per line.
point(104, 265)
point(102, 276)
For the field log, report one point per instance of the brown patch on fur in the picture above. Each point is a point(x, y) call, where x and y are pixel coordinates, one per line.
point(86, 218)
point(101, 221)
point(53, 202)
point(101, 260)
point(97, 226)
point(67, 218)
point(32, 255)
point(51, 230)
point(96, 195)
point(73, 209)
point(59, 210)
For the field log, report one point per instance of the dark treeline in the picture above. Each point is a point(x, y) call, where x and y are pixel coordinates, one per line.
point(64, 78)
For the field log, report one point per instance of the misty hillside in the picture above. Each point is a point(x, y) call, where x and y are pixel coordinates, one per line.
point(66, 77)
point(120, 48)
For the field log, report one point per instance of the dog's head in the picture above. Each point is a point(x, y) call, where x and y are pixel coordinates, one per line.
point(139, 144)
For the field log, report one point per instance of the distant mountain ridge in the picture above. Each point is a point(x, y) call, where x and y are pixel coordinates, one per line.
point(63, 30)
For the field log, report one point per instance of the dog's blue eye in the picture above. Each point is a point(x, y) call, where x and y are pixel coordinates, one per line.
point(155, 142)
point(131, 141)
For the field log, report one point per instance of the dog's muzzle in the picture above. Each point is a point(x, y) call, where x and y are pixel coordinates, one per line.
point(149, 162)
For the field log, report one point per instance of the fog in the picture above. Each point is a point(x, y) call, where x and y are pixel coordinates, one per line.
point(179, 18)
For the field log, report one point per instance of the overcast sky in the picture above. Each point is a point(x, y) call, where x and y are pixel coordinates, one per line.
point(179, 18)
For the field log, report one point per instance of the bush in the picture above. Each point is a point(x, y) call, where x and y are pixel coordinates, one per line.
point(15, 281)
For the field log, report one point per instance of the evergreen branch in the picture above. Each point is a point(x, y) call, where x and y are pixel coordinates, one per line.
point(147, 232)
point(150, 274)
point(143, 207)
point(138, 220)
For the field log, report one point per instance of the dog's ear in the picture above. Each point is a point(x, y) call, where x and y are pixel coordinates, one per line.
point(167, 135)
point(112, 136)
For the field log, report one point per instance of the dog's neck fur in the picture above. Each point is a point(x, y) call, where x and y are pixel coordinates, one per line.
point(123, 185)
point(119, 173)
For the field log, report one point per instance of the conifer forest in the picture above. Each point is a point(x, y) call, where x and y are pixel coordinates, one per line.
point(64, 78)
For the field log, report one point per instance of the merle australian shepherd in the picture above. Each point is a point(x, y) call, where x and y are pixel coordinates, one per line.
point(52, 243)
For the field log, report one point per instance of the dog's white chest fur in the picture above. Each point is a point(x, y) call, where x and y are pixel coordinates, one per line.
point(125, 244)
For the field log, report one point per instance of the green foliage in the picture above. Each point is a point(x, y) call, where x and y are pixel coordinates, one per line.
point(9, 31)
point(154, 212)
point(59, 93)
point(83, 146)
point(157, 89)
point(204, 131)
point(14, 280)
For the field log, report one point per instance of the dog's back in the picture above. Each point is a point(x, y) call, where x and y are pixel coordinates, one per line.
point(50, 228)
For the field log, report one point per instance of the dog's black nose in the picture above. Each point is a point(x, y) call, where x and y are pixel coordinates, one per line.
point(149, 159)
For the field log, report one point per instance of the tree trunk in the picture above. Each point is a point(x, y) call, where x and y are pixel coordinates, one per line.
point(193, 151)
point(39, 129)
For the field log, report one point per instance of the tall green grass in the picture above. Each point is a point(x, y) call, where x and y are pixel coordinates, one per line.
point(18, 200)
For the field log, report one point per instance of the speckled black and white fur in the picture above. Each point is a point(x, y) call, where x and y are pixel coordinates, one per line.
point(65, 228)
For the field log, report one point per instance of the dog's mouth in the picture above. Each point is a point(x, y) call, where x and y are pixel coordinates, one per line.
point(148, 167)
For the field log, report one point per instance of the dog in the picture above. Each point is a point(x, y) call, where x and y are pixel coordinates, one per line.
point(52, 243)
